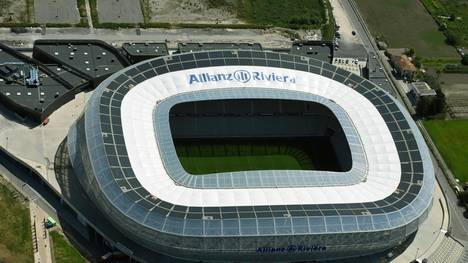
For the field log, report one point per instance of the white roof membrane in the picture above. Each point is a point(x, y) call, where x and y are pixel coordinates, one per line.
point(137, 108)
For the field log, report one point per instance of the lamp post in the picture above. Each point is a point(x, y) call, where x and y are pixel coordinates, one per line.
point(417, 251)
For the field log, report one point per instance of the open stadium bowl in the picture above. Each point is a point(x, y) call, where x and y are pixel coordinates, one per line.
point(124, 149)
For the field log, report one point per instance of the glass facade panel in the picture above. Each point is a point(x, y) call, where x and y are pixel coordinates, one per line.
point(202, 233)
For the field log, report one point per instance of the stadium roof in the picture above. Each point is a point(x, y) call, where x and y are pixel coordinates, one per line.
point(377, 171)
point(124, 152)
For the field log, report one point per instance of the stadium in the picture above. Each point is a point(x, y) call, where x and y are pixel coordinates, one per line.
point(246, 155)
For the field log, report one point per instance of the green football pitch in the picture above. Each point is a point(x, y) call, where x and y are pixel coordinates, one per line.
point(200, 158)
point(219, 164)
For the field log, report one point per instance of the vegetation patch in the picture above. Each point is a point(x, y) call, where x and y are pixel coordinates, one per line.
point(15, 226)
point(406, 24)
point(451, 138)
point(452, 16)
point(146, 11)
point(94, 13)
point(82, 7)
point(283, 13)
point(328, 28)
point(234, 14)
point(455, 68)
point(63, 251)
point(13, 12)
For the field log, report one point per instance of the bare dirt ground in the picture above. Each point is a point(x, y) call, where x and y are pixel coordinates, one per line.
point(56, 11)
point(455, 88)
point(115, 11)
point(189, 11)
point(13, 11)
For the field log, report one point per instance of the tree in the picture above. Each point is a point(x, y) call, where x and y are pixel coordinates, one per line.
point(443, 27)
point(432, 81)
point(417, 62)
point(438, 103)
point(452, 17)
point(464, 60)
point(410, 52)
point(452, 39)
point(423, 106)
point(430, 106)
point(464, 197)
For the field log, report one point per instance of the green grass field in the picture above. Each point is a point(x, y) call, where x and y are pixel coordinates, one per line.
point(451, 138)
point(207, 165)
point(15, 227)
point(63, 251)
point(443, 9)
point(406, 24)
point(203, 157)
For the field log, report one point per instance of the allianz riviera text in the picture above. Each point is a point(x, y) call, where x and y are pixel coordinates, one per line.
point(242, 76)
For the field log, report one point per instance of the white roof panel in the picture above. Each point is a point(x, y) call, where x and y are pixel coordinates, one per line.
point(142, 146)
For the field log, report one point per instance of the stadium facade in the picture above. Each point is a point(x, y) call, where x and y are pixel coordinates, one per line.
point(122, 150)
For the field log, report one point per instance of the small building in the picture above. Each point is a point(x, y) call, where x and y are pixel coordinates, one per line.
point(418, 90)
point(402, 63)
point(194, 47)
point(353, 65)
point(136, 52)
point(321, 50)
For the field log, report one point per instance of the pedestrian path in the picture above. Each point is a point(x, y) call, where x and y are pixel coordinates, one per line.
point(450, 251)
point(40, 235)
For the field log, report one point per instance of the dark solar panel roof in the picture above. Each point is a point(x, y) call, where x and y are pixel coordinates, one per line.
point(193, 47)
point(145, 49)
point(91, 58)
point(318, 50)
point(14, 72)
point(403, 206)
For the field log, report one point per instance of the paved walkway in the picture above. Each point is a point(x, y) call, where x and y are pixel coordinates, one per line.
point(450, 251)
point(89, 17)
point(40, 235)
point(37, 146)
point(431, 233)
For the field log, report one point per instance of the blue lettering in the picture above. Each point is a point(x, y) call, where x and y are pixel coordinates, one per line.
point(256, 75)
point(193, 78)
point(242, 76)
point(291, 249)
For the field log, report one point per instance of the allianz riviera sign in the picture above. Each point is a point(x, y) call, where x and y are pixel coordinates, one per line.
point(242, 76)
point(292, 249)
